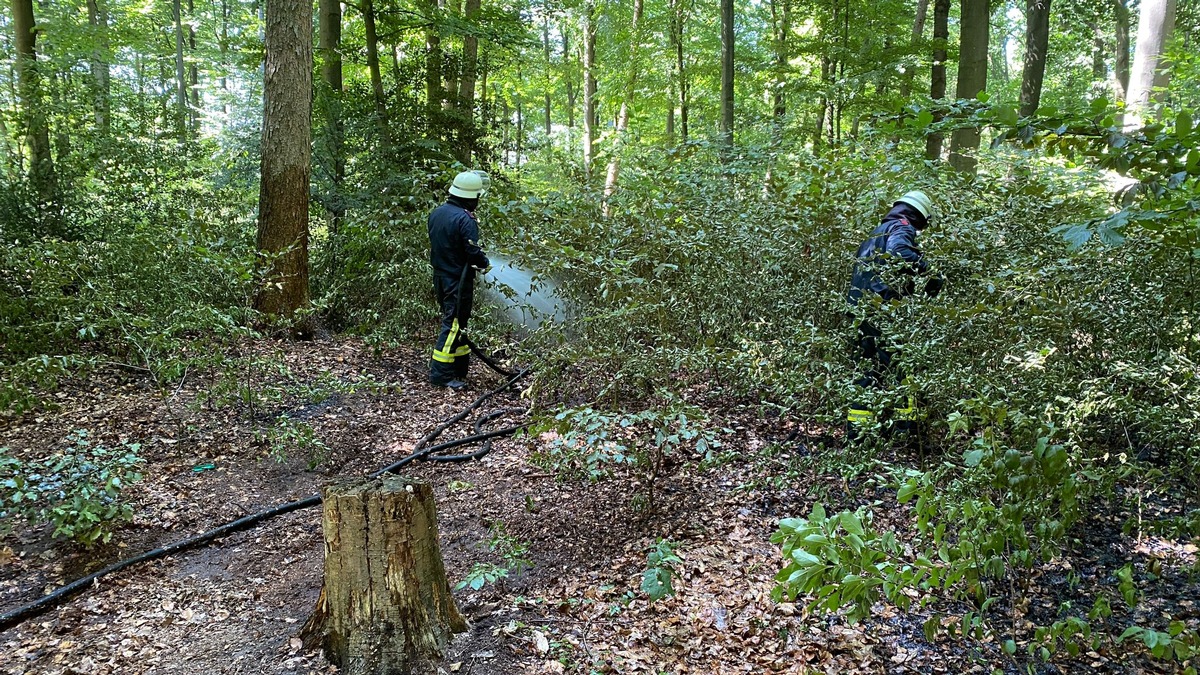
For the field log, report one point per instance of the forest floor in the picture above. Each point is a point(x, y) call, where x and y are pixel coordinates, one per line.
point(237, 605)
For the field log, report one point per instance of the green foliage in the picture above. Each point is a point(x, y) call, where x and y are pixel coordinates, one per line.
point(660, 570)
point(513, 560)
point(77, 489)
point(592, 444)
point(288, 435)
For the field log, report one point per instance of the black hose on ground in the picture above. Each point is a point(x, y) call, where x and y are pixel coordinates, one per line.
point(60, 596)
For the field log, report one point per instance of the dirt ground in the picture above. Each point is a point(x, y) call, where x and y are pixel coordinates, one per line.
point(237, 605)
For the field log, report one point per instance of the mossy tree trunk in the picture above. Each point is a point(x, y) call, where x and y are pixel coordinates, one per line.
point(386, 606)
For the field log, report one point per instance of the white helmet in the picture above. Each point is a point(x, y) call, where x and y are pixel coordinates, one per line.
point(469, 184)
point(919, 201)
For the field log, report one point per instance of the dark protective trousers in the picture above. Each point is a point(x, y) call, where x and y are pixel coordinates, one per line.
point(451, 355)
point(878, 370)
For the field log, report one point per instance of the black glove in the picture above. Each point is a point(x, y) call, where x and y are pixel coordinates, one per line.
point(934, 286)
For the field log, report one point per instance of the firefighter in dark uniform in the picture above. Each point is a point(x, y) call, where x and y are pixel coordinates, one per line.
point(455, 255)
point(892, 244)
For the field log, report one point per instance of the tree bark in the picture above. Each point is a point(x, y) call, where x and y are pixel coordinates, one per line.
point(1155, 25)
point(1037, 39)
point(680, 16)
point(614, 164)
point(181, 104)
point(433, 65)
point(937, 80)
point(1121, 65)
point(918, 33)
point(546, 64)
point(42, 176)
point(972, 77)
point(470, 71)
point(377, 94)
point(781, 18)
point(329, 46)
point(385, 606)
point(101, 80)
point(589, 86)
point(286, 134)
point(727, 64)
point(193, 71)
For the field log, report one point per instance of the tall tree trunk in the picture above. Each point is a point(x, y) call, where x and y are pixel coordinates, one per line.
point(286, 133)
point(181, 104)
point(1037, 38)
point(823, 104)
point(727, 62)
point(368, 12)
point(33, 113)
point(546, 63)
point(937, 81)
point(433, 65)
point(589, 86)
point(1155, 25)
point(1121, 49)
point(466, 89)
point(972, 77)
point(569, 79)
point(918, 32)
point(225, 61)
point(1099, 70)
point(193, 69)
point(781, 18)
point(681, 17)
point(614, 164)
point(329, 46)
point(101, 81)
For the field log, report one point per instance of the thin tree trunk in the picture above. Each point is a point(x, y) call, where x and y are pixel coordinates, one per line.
point(193, 70)
point(329, 45)
point(937, 82)
point(727, 64)
point(1121, 66)
point(972, 78)
point(1099, 70)
point(225, 61)
point(377, 94)
point(1150, 70)
point(589, 86)
point(546, 63)
point(286, 134)
point(918, 33)
point(181, 104)
point(1037, 39)
point(781, 18)
point(680, 69)
point(466, 90)
point(569, 78)
point(823, 104)
point(101, 81)
point(433, 65)
point(614, 164)
point(37, 135)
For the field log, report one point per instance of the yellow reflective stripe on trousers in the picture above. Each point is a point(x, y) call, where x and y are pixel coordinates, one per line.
point(858, 416)
point(907, 414)
point(444, 355)
point(463, 350)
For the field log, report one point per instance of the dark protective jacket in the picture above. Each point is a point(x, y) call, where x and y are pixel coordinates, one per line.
point(454, 241)
point(892, 243)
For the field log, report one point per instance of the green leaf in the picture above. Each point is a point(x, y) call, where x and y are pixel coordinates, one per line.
point(851, 524)
point(1183, 124)
point(1010, 647)
point(973, 457)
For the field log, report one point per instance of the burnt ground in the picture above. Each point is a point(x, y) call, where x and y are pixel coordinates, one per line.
point(237, 606)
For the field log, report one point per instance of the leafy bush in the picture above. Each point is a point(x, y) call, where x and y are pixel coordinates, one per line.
point(77, 489)
point(512, 554)
point(660, 570)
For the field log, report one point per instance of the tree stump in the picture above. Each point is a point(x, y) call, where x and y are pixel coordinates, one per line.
point(385, 607)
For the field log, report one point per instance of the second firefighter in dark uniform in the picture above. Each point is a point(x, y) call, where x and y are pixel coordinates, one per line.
point(891, 245)
point(455, 255)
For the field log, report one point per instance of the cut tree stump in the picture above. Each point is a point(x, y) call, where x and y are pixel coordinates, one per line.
point(385, 607)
